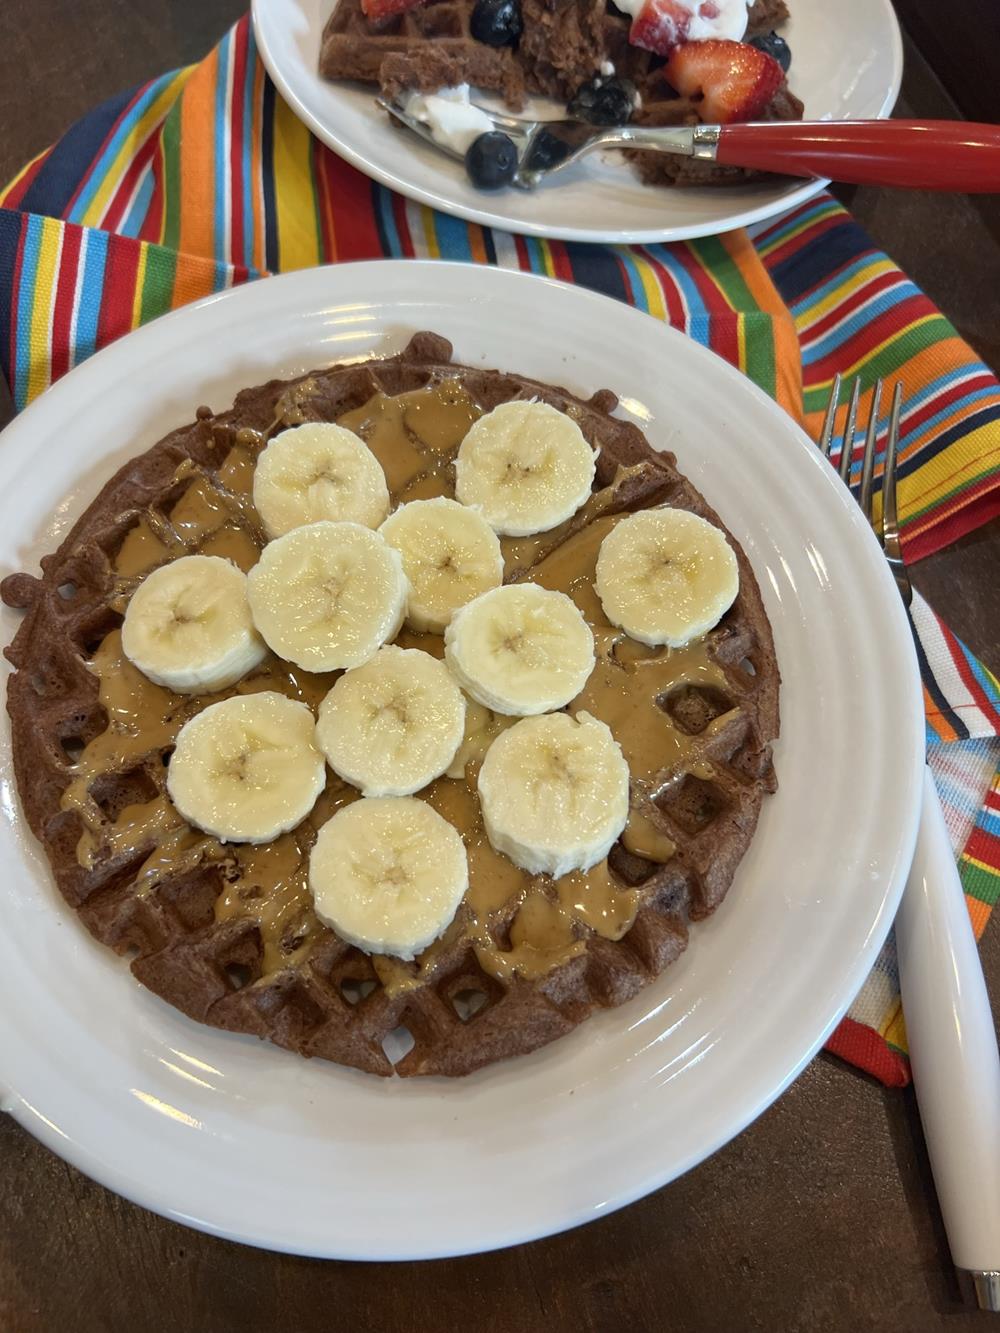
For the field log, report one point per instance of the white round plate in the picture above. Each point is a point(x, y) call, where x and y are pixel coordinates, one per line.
point(847, 63)
point(240, 1138)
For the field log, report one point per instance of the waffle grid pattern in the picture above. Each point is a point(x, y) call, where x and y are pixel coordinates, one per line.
point(328, 1001)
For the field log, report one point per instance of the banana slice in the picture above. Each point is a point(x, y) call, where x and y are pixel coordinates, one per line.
point(247, 769)
point(328, 595)
point(554, 793)
point(450, 555)
point(666, 576)
point(315, 472)
point(520, 649)
point(394, 724)
point(188, 626)
point(388, 874)
point(526, 467)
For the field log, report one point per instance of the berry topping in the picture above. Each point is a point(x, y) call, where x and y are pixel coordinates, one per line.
point(546, 151)
point(497, 22)
point(660, 25)
point(378, 11)
point(604, 102)
point(491, 161)
point(735, 81)
point(774, 45)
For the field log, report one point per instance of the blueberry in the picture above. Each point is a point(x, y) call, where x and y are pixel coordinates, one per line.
point(491, 161)
point(546, 151)
point(604, 102)
point(774, 45)
point(497, 22)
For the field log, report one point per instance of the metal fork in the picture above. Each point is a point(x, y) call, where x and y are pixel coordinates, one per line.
point(547, 146)
point(949, 1025)
point(929, 155)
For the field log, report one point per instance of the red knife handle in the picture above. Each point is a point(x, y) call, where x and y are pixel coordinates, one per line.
point(923, 155)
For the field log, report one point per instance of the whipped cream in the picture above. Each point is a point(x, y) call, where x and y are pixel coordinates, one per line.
point(452, 120)
point(699, 20)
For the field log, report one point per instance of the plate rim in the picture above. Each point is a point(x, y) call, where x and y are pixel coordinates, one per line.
point(34, 1119)
point(484, 217)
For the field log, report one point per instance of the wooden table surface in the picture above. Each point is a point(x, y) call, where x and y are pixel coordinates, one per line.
point(821, 1216)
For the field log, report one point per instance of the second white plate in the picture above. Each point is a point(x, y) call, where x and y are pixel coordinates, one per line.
point(847, 63)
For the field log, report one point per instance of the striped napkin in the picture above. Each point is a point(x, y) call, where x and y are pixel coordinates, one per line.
point(204, 178)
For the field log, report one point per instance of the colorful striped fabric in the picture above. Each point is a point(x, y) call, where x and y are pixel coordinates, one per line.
point(204, 178)
point(855, 312)
point(962, 704)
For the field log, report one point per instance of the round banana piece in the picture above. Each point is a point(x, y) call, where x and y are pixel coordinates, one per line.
point(318, 471)
point(388, 874)
point(450, 555)
point(526, 467)
point(554, 793)
point(394, 724)
point(666, 576)
point(188, 626)
point(247, 769)
point(328, 595)
point(520, 649)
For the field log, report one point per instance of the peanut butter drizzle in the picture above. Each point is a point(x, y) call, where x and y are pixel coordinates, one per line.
point(147, 822)
point(272, 889)
point(642, 838)
point(542, 936)
point(440, 417)
point(427, 643)
point(521, 553)
point(549, 918)
point(269, 885)
point(141, 551)
point(546, 930)
point(482, 727)
point(494, 880)
point(518, 924)
point(493, 877)
point(177, 852)
point(415, 437)
point(291, 405)
point(143, 719)
point(214, 516)
point(630, 683)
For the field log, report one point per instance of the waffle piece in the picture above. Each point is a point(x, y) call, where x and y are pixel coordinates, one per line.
point(227, 934)
point(425, 48)
point(671, 169)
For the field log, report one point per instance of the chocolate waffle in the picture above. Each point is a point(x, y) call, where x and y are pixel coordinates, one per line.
point(562, 46)
point(227, 934)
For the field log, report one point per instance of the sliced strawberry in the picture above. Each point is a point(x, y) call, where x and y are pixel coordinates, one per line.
point(377, 11)
point(660, 25)
point(735, 80)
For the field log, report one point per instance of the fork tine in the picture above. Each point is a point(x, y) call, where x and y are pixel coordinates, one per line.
point(826, 438)
point(847, 445)
point(517, 124)
point(890, 512)
point(868, 467)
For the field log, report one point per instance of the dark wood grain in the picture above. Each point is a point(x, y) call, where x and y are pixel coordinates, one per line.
point(960, 41)
point(819, 1217)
